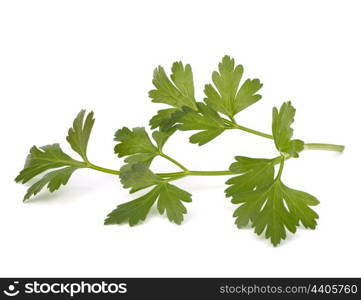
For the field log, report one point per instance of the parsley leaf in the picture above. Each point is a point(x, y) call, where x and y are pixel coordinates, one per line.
point(268, 204)
point(256, 173)
point(170, 201)
point(138, 147)
point(161, 137)
point(282, 130)
point(205, 119)
point(78, 135)
point(138, 176)
point(283, 208)
point(133, 211)
point(227, 97)
point(164, 119)
point(52, 157)
point(169, 197)
point(179, 92)
point(53, 180)
point(135, 144)
point(46, 158)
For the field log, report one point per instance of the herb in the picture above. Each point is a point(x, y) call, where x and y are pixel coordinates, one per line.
point(264, 201)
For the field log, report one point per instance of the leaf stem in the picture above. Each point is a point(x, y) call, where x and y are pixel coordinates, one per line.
point(101, 169)
point(234, 125)
point(195, 173)
point(280, 170)
point(177, 175)
point(327, 147)
point(309, 146)
point(173, 161)
point(249, 130)
point(171, 175)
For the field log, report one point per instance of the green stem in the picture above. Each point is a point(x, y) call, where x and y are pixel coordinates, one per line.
point(249, 130)
point(173, 161)
point(195, 173)
point(309, 146)
point(173, 175)
point(116, 172)
point(327, 147)
point(101, 169)
point(233, 125)
point(280, 170)
point(177, 175)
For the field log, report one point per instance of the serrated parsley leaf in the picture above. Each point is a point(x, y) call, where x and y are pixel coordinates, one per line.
point(140, 152)
point(283, 132)
point(134, 142)
point(205, 119)
point(137, 145)
point(161, 137)
point(144, 158)
point(170, 201)
point(164, 119)
point(78, 135)
point(53, 180)
point(133, 211)
point(52, 157)
point(266, 203)
point(227, 97)
point(298, 203)
point(255, 173)
point(43, 159)
point(138, 176)
point(281, 208)
point(179, 92)
point(169, 197)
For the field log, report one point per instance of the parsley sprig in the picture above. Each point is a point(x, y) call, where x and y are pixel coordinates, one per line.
point(263, 200)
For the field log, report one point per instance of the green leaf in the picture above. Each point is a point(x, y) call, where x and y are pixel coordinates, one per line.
point(52, 157)
point(133, 211)
point(140, 150)
point(282, 208)
point(169, 197)
point(161, 137)
point(203, 137)
point(205, 119)
point(298, 203)
point(53, 180)
point(78, 135)
point(134, 142)
point(266, 203)
point(227, 97)
point(170, 201)
point(164, 119)
point(137, 145)
point(283, 132)
point(177, 92)
point(144, 158)
point(137, 176)
point(255, 174)
point(43, 159)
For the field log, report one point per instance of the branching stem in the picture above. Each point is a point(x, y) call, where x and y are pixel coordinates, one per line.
point(231, 125)
point(326, 147)
point(101, 169)
point(173, 161)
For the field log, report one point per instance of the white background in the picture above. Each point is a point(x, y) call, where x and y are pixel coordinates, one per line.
point(57, 57)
